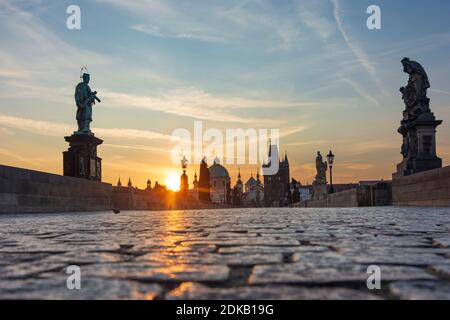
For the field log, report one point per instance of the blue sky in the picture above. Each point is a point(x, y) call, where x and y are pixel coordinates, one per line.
point(310, 68)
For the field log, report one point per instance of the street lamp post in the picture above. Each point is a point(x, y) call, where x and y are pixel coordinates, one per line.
point(184, 179)
point(330, 157)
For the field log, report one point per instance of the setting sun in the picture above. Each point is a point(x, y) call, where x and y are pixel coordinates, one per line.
point(173, 182)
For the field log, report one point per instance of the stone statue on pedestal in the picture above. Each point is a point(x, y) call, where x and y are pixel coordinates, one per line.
point(418, 126)
point(81, 160)
point(321, 168)
point(320, 182)
point(84, 98)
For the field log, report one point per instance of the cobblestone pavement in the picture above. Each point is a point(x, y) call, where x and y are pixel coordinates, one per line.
point(228, 254)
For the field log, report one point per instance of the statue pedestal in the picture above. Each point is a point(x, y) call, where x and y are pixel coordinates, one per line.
point(422, 156)
point(319, 191)
point(81, 160)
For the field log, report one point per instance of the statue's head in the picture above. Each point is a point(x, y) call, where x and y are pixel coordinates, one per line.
point(406, 65)
point(86, 77)
point(413, 67)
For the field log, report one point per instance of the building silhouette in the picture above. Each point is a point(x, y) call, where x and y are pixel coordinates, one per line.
point(184, 184)
point(220, 188)
point(238, 192)
point(254, 192)
point(276, 186)
point(204, 182)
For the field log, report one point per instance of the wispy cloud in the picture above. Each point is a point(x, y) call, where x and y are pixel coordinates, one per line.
point(416, 45)
point(290, 131)
point(167, 19)
point(358, 89)
point(137, 147)
point(131, 134)
point(311, 16)
point(17, 157)
point(230, 22)
point(142, 6)
point(60, 129)
point(198, 104)
point(50, 55)
point(306, 143)
point(359, 53)
point(158, 32)
point(440, 91)
point(39, 127)
point(356, 166)
point(372, 146)
point(258, 21)
point(6, 132)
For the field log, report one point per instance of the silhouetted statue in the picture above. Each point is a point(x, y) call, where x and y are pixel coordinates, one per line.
point(320, 181)
point(418, 126)
point(84, 98)
point(81, 159)
point(321, 168)
point(415, 93)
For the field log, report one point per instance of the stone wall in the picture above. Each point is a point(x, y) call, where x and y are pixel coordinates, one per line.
point(126, 198)
point(429, 188)
point(28, 191)
point(378, 194)
point(348, 198)
point(381, 194)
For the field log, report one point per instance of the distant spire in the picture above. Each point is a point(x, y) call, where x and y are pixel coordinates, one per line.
point(119, 183)
point(129, 183)
point(286, 157)
point(239, 176)
point(195, 175)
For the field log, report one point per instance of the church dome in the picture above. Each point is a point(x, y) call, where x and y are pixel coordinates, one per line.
point(218, 171)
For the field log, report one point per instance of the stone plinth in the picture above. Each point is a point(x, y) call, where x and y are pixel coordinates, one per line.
point(81, 160)
point(319, 191)
point(422, 147)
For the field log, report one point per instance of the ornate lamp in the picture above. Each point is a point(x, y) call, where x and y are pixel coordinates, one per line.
point(184, 163)
point(330, 158)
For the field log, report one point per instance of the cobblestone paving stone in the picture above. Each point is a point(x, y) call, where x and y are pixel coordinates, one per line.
point(228, 254)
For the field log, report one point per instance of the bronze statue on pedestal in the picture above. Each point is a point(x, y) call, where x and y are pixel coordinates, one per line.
point(85, 98)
